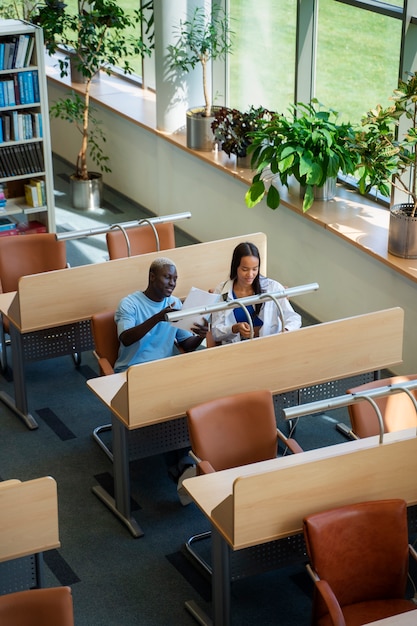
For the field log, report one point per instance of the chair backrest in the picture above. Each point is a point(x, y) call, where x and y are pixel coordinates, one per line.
point(38, 607)
point(106, 341)
point(141, 240)
point(235, 430)
point(397, 410)
point(361, 550)
point(29, 254)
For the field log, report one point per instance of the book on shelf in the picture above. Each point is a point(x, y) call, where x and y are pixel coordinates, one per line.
point(2, 44)
point(9, 233)
point(6, 223)
point(5, 118)
point(22, 46)
point(31, 228)
point(28, 57)
point(31, 196)
point(16, 88)
point(35, 81)
point(39, 184)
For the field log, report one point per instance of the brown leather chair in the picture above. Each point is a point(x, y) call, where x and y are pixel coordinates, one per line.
point(397, 410)
point(359, 562)
point(231, 431)
point(141, 240)
point(38, 607)
point(235, 430)
point(106, 341)
point(22, 256)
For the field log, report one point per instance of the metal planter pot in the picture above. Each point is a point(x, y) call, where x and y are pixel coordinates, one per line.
point(199, 133)
point(324, 193)
point(402, 234)
point(87, 194)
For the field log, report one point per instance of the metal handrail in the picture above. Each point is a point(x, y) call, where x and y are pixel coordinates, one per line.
point(337, 402)
point(100, 230)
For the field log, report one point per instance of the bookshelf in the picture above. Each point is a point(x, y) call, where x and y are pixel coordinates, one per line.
point(25, 146)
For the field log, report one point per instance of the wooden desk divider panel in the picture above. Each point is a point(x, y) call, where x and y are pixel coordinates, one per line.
point(269, 505)
point(70, 295)
point(281, 363)
point(28, 517)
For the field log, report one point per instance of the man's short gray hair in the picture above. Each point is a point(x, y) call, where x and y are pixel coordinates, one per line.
point(159, 263)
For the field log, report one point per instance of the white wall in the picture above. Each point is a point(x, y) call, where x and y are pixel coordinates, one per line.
point(166, 179)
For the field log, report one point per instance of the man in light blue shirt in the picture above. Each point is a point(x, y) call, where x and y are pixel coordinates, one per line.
point(143, 332)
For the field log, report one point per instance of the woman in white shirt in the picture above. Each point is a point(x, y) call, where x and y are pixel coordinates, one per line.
point(231, 325)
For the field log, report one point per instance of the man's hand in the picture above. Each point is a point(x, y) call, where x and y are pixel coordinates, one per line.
point(200, 330)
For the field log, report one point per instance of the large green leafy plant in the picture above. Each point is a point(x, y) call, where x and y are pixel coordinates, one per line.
point(201, 38)
point(386, 158)
point(309, 145)
point(100, 36)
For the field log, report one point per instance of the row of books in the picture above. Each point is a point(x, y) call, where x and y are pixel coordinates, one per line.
point(20, 126)
point(23, 228)
point(35, 193)
point(16, 51)
point(21, 88)
point(21, 159)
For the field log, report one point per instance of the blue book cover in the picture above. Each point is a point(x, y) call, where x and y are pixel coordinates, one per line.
point(2, 56)
point(36, 93)
point(21, 88)
point(10, 93)
point(2, 100)
point(29, 91)
point(1, 131)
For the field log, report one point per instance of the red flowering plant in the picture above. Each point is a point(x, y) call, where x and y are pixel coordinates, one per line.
point(232, 128)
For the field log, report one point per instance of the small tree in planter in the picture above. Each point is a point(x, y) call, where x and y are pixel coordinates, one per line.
point(201, 38)
point(234, 128)
point(388, 160)
point(99, 37)
point(309, 145)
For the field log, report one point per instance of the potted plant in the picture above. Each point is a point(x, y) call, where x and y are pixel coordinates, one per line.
point(98, 34)
point(233, 129)
point(386, 146)
point(309, 145)
point(202, 38)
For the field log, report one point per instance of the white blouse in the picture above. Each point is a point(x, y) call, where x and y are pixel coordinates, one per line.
point(223, 321)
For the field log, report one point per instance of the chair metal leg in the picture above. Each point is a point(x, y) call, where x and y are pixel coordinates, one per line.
point(96, 432)
point(202, 562)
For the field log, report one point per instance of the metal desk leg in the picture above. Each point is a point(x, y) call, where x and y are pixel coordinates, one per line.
point(19, 405)
point(220, 585)
point(120, 504)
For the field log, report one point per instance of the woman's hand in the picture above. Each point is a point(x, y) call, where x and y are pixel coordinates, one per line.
point(243, 328)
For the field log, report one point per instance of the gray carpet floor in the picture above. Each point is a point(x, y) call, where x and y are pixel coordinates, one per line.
point(118, 580)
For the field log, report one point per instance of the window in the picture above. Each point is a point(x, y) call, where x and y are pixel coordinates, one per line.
point(358, 56)
point(262, 65)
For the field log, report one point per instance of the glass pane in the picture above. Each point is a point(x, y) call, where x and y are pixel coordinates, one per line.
point(261, 66)
point(357, 58)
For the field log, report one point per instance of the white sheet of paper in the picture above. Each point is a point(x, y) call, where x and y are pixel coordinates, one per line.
point(196, 297)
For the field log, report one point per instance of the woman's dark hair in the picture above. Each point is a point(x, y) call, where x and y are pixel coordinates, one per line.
point(246, 249)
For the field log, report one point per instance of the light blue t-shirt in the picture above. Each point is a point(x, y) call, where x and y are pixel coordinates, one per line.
point(158, 343)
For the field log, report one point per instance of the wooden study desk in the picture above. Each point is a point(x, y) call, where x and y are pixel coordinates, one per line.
point(267, 501)
point(309, 356)
point(404, 619)
point(50, 313)
point(28, 527)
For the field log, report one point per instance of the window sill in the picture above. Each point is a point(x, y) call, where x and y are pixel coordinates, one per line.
point(350, 216)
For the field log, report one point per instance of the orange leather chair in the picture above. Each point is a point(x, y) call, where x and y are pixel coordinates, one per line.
point(359, 562)
point(397, 410)
point(38, 607)
point(141, 240)
point(231, 431)
point(22, 256)
point(235, 430)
